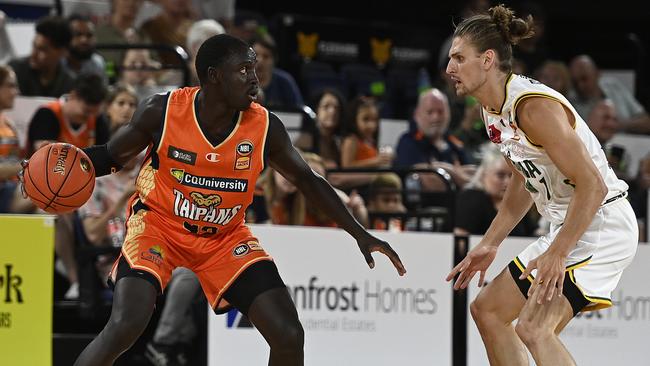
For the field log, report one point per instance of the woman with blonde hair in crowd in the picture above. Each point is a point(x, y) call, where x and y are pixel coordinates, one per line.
point(478, 203)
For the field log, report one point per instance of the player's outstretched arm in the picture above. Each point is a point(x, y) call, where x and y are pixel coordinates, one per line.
point(284, 158)
point(131, 139)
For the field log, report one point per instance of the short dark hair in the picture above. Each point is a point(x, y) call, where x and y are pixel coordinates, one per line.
point(90, 88)
point(215, 51)
point(79, 17)
point(56, 30)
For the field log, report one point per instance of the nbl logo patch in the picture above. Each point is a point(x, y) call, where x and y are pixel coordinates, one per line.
point(244, 151)
point(240, 250)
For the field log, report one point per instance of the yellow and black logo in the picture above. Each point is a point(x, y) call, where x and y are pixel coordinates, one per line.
point(211, 200)
point(380, 50)
point(307, 44)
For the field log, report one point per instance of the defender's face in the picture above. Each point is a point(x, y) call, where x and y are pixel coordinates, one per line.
point(465, 67)
point(240, 83)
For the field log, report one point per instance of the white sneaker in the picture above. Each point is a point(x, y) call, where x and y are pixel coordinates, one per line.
point(73, 292)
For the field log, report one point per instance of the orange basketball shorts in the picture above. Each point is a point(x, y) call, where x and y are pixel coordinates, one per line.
point(217, 260)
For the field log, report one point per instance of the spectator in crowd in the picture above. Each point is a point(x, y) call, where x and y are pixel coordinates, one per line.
point(139, 70)
point(555, 74)
point(602, 121)
point(42, 73)
point(82, 57)
point(385, 197)
point(322, 135)
point(170, 27)
point(478, 203)
point(590, 88)
point(120, 29)
point(604, 124)
point(286, 206)
point(429, 145)
point(176, 329)
point(280, 89)
point(197, 34)
point(73, 119)
point(6, 49)
point(359, 147)
point(222, 11)
point(11, 198)
point(639, 196)
point(120, 106)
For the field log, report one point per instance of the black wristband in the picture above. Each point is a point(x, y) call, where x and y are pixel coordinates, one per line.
point(102, 160)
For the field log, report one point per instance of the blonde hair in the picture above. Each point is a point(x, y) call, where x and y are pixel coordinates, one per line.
point(490, 155)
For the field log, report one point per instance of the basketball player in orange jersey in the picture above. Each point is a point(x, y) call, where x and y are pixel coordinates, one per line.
point(206, 147)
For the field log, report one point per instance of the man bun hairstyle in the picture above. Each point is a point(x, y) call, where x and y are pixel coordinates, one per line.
point(498, 30)
point(512, 29)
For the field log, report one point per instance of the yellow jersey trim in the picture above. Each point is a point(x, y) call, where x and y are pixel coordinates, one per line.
point(266, 131)
point(597, 303)
point(505, 98)
point(541, 95)
point(164, 129)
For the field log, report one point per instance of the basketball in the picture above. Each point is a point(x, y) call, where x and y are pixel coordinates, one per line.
point(59, 178)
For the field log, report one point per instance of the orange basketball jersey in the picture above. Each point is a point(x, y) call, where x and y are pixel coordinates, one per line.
point(83, 137)
point(194, 186)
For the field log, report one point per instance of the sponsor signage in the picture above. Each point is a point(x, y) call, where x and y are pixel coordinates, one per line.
point(26, 268)
point(351, 315)
point(591, 336)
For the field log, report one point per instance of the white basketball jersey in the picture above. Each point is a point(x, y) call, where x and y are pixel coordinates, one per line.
point(550, 189)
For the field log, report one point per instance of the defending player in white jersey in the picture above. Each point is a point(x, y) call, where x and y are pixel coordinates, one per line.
point(559, 165)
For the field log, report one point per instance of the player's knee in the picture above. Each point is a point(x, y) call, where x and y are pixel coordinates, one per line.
point(291, 337)
point(481, 310)
point(531, 333)
point(126, 328)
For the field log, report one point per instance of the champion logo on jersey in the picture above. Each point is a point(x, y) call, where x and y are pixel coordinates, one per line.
point(212, 157)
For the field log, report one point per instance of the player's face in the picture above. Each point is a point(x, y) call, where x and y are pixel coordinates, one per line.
point(240, 83)
point(465, 67)
point(8, 91)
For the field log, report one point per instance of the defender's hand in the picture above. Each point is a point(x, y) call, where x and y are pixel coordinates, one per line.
point(477, 260)
point(372, 244)
point(549, 278)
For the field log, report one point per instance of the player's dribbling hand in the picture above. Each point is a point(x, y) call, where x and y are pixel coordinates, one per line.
point(549, 277)
point(372, 244)
point(21, 177)
point(477, 260)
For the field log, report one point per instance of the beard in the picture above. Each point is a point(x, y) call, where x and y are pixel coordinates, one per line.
point(81, 54)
